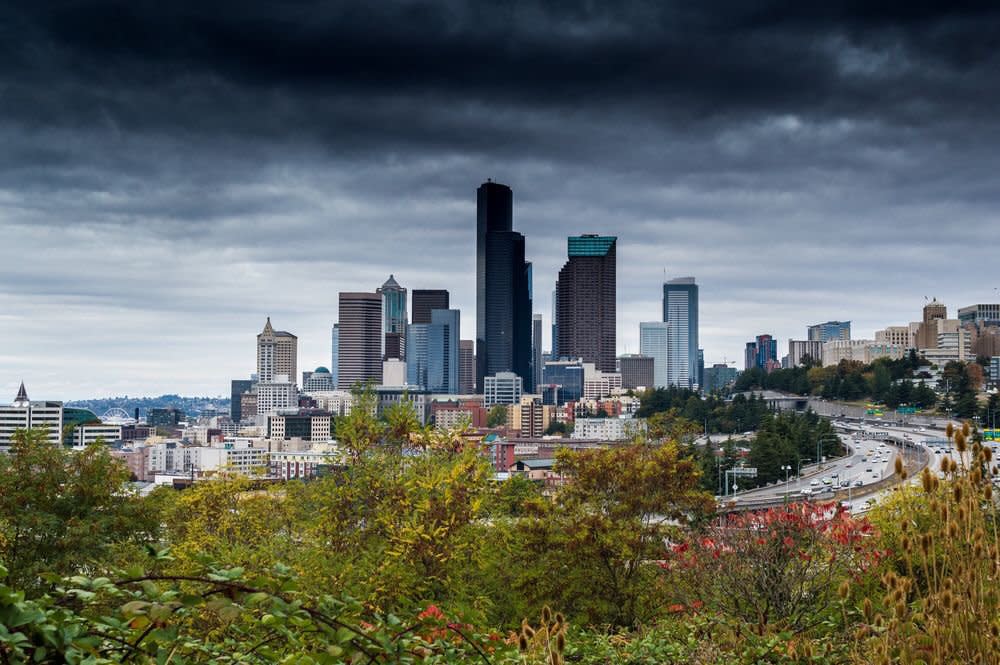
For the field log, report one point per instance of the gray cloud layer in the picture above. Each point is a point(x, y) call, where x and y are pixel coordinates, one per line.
point(171, 173)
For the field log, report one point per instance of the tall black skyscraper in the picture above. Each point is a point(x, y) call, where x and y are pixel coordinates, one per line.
point(503, 292)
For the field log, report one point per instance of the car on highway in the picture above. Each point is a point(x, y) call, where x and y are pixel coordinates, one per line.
point(806, 491)
point(859, 483)
point(827, 481)
point(868, 470)
point(845, 483)
point(848, 465)
point(814, 482)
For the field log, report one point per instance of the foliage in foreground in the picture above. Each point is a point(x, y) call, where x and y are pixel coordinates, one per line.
point(65, 512)
point(941, 602)
point(422, 558)
point(221, 616)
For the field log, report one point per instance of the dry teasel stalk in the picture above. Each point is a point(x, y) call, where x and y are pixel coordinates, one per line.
point(867, 611)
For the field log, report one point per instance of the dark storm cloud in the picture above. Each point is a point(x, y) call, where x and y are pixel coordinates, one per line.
point(168, 165)
point(713, 60)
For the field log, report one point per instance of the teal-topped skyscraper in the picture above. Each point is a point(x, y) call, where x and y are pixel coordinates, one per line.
point(680, 310)
point(586, 301)
point(394, 318)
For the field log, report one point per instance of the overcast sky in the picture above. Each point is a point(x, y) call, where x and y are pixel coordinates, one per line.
point(171, 173)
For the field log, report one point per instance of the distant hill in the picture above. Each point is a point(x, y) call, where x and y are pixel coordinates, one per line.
point(191, 406)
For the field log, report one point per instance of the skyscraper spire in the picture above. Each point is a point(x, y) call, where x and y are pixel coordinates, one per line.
point(268, 330)
point(22, 396)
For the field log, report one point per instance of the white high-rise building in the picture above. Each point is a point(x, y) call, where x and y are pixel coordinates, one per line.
point(281, 393)
point(25, 414)
point(503, 388)
point(653, 342)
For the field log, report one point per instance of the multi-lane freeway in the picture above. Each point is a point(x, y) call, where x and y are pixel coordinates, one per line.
point(862, 474)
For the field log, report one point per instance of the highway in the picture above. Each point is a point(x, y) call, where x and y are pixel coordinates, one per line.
point(873, 448)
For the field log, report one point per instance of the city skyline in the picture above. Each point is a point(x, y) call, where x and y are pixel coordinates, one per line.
point(832, 166)
point(736, 362)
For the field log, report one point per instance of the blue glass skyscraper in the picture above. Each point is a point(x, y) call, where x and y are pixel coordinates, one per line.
point(432, 352)
point(680, 310)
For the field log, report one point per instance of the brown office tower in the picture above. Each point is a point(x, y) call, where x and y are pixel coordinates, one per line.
point(467, 367)
point(425, 300)
point(360, 339)
point(586, 300)
point(928, 331)
point(636, 371)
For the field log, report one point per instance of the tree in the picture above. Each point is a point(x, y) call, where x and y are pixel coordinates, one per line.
point(359, 430)
point(221, 614)
point(924, 396)
point(990, 414)
point(974, 375)
point(556, 427)
point(497, 416)
point(881, 381)
point(781, 567)
point(589, 551)
point(229, 519)
point(400, 422)
point(511, 497)
point(966, 405)
point(63, 511)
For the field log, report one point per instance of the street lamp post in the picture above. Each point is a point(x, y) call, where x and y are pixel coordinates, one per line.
point(798, 473)
point(786, 468)
point(819, 446)
point(718, 471)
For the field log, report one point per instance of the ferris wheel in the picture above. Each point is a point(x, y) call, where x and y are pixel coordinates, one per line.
point(117, 416)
